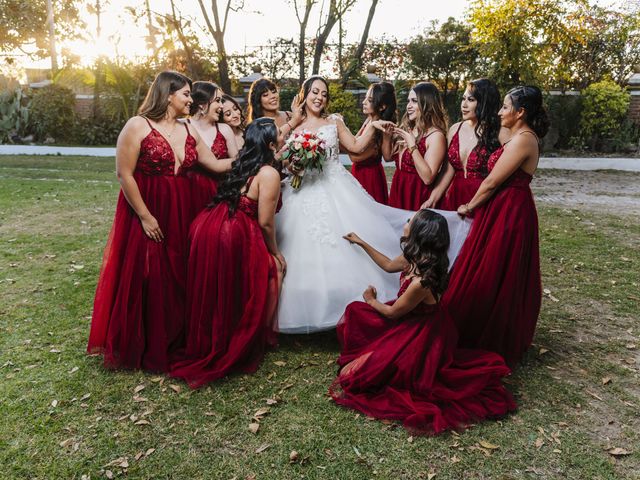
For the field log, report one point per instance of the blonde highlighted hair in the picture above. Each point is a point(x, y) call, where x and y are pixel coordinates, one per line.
point(432, 113)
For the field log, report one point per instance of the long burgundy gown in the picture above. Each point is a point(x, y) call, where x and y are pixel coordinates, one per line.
point(370, 173)
point(232, 295)
point(204, 184)
point(495, 291)
point(138, 310)
point(408, 191)
point(464, 185)
point(409, 369)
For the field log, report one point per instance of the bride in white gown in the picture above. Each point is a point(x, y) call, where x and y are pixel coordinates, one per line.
point(324, 271)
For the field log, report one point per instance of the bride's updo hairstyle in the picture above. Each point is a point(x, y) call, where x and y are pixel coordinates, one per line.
point(425, 248)
point(529, 98)
point(156, 103)
point(255, 110)
point(255, 153)
point(306, 88)
point(202, 93)
point(384, 104)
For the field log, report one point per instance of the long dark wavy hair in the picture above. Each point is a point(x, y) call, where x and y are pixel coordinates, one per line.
point(529, 97)
point(228, 98)
point(425, 248)
point(306, 88)
point(156, 102)
point(254, 154)
point(202, 93)
point(384, 105)
point(488, 99)
point(254, 110)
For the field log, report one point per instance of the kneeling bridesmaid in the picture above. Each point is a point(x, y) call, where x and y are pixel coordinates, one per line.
point(235, 267)
point(399, 360)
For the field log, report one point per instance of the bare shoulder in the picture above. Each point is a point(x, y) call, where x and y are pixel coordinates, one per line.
point(437, 136)
point(454, 128)
point(268, 174)
point(225, 129)
point(523, 141)
point(135, 129)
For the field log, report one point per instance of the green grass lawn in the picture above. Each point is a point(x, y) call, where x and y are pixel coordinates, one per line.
point(62, 415)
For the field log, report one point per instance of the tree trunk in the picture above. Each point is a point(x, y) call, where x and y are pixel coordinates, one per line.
point(356, 62)
point(301, 39)
point(177, 24)
point(52, 38)
point(334, 14)
point(217, 33)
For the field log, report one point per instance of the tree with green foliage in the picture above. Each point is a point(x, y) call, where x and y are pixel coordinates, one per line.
point(51, 112)
point(345, 104)
point(24, 27)
point(444, 55)
point(525, 42)
point(605, 105)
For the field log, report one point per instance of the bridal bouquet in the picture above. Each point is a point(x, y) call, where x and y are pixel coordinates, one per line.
point(305, 151)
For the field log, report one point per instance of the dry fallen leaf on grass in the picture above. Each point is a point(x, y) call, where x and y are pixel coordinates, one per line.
point(606, 380)
point(74, 370)
point(139, 399)
point(279, 363)
point(542, 351)
point(271, 401)
point(430, 476)
point(149, 451)
point(108, 474)
point(66, 443)
point(455, 459)
point(138, 456)
point(139, 388)
point(410, 439)
point(487, 445)
point(539, 442)
point(175, 388)
point(254, 427)
point(262, 448)
point(260, 413)
point(54, 403)
point(293, 456)
point(618, 452)
point(142, 422)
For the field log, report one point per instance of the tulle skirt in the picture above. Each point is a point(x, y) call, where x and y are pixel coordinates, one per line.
point(495, 291)
point(232, 298)
point(324, 271)
point(408, 191)
point(408, 369)
point(138, 310)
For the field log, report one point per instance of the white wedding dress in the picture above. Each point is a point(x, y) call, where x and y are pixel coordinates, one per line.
point(325, 272)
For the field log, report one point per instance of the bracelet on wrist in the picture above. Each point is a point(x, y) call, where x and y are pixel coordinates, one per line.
point(412, 149)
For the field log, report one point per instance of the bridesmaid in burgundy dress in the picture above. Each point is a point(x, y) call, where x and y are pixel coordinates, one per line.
point(138, 311)
point(232, 115)
point(471, 141)
point(419, 148)
point(264, 101)
point(495, 291)
point(235, 267)
point(205, 115)
point(399, 360)
point(379, 104)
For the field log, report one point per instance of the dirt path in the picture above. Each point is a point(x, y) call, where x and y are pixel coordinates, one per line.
point(611, 192)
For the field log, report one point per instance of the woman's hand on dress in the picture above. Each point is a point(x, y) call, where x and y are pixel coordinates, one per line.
point(281, 263)
point(464, 210)
point(430, 202)
point(353, 238)
point(151, 228)
point(370, 294)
